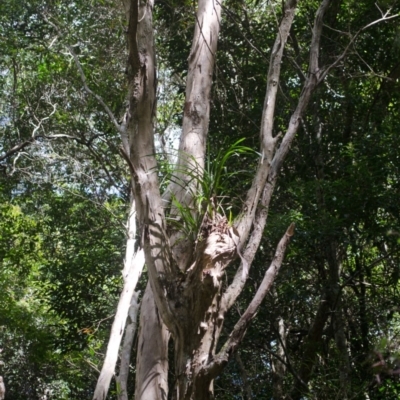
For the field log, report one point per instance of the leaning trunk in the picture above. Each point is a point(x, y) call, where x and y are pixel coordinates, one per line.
point(134, 263)
point(126, 349)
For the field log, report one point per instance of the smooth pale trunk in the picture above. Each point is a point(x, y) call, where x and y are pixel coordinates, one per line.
point(152, 352)
point(126, 349)
point(133, 267)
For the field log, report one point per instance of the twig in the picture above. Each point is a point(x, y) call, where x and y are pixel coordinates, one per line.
point(385, 17)
point(84, 80)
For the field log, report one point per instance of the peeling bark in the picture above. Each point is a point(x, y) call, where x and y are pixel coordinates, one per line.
point(236, 336)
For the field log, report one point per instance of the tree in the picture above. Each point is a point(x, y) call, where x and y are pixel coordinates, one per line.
point(185, 272)
point(193, 229)
point(60, 260)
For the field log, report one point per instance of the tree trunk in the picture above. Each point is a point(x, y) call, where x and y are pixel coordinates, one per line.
point(133, 266)
point(278, 365)
point(152, 352)
point(337, 319)
point(186, 273)
point(2, 388)
point(126, 349)
point(248, 394)
point(330, 305)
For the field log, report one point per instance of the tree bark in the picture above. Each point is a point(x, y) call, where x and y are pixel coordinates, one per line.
point(2, 389)
point(196, 116)
point(311, 347)
point(126, 349)
point(134, 263)
point(152, 352)
point(278, 366)
point(245, 380)
point(185, 274)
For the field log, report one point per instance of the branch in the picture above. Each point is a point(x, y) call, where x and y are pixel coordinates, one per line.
point(244, 25)
point(267, 140)
point(126, 347)
point(22, 145)
point(84, 81)
point(385, 17)
point(196, 116)
point(314, 77)
point(237, 335)
point(133, 266)
point(266, 177)
point(237, 285)
point(245, 380)
point(312, 80)
point(287, 364)
point(17, 148)
point(142, 85)
point(267, 172)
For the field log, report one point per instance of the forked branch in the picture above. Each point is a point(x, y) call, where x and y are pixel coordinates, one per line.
point(238, 332)
point(268, 141)
point(272, 170)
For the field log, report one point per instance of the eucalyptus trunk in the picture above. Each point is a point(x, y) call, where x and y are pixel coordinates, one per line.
point(185, 296)
point(133, 266)
point(126, 349)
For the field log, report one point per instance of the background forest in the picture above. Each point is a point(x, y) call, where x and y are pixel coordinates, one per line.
point(332, 319)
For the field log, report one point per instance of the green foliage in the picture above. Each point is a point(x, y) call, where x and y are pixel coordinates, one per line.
point(62, 199)
point(209, 188)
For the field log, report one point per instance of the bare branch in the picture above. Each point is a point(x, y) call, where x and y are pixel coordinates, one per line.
point(34, 136)
point(240, 26)
point(126, 347)
point(40, 122)
point(95, 95)
point(133, 266)
point(84, 80)
point(245, 380)
point(256, 214)
point(266, 176)
point(196, 114)
point(287, 364)
point(17, 148)
point(239, 330)
point(268, 141)
point(142, 86)
point(237, 285)
point(385, 17)
point(312, 80)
